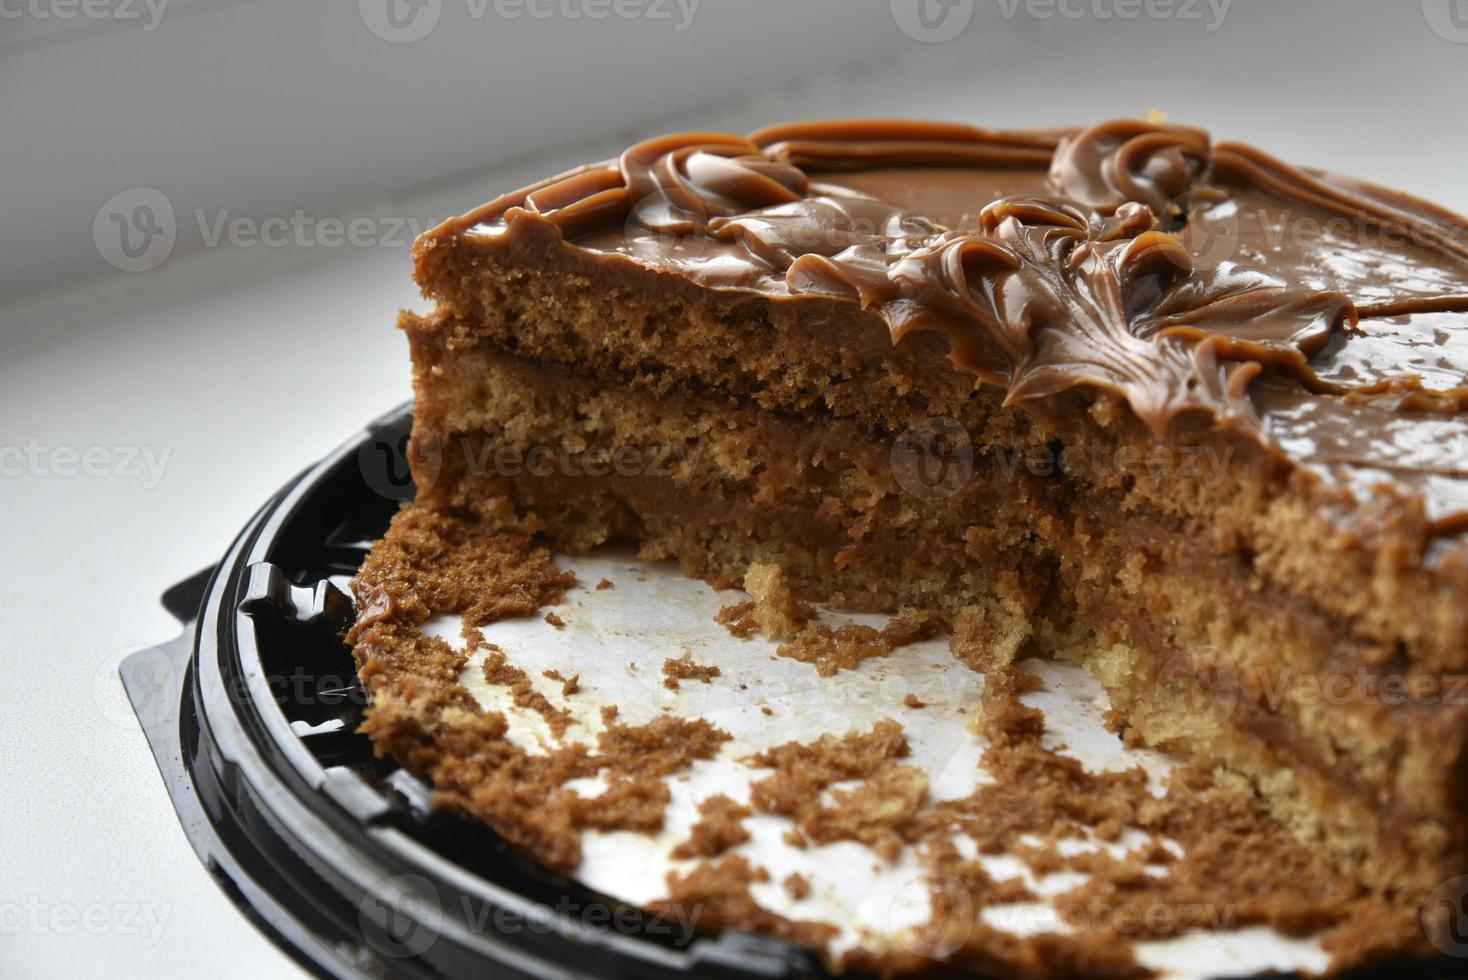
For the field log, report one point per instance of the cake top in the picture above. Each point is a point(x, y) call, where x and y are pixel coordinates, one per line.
point(1325, 317)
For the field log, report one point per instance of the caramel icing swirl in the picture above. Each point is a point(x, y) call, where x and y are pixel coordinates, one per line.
point(679, 182)
point(1131, 257)
point(1109, 165)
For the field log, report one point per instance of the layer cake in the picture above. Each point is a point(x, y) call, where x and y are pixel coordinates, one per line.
point(1173, 410)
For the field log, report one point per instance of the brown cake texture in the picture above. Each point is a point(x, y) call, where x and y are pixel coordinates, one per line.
point(1172, 410)
point(1198, 857)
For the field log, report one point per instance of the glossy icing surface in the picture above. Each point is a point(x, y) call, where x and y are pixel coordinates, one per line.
point(1324, 317)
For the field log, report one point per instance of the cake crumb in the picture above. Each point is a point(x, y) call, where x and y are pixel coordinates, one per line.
point(635, 803)
point(913, 701)
point(499, 671)
point(886, 796)
point(989, 638)
point(605, 584)
point(835, 648)
point(797, 886)
point(718, 894)
point(569, 685)
point(738, 619)
point(778, 613)
point(766, 709)
point(720, 827)
point(422, 712)
point(684, 669)
point(555, 621)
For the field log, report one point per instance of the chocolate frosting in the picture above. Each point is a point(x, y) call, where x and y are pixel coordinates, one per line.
point(1322, 316)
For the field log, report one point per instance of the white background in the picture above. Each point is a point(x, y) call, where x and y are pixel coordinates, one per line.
point(244, 363)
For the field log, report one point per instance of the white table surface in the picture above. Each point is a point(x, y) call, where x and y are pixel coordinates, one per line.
point(244, 365)
point(242, 384)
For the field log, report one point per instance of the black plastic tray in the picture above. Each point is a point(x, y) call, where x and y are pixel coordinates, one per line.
point(336, 855)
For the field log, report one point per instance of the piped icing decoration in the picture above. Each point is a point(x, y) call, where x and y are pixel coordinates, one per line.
point(677, 183)
point(1132, 257)
point(1109, 166)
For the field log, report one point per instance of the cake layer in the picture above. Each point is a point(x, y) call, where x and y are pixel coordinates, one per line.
point(1277, 521)
point(1197, 657)
point(600, 458)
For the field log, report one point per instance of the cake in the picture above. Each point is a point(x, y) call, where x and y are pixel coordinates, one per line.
point(1172, 410)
